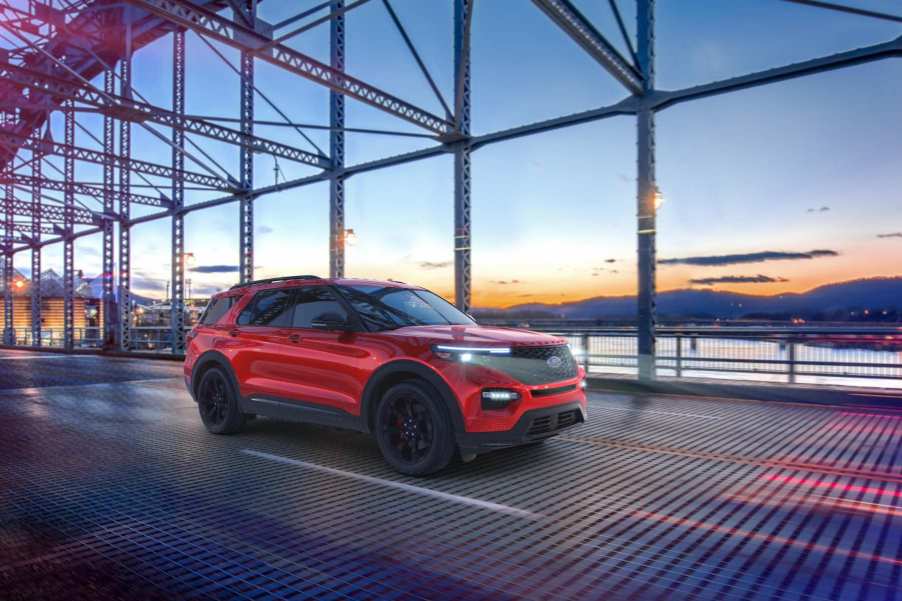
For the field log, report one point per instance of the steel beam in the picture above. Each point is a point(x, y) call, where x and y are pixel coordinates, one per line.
point(127, 108)
point(246, 167)
point(35, 288)
point(8, 270)
point(462, 270)
point(125, 151)
point(245, 39)
point(337, 148)
point(107, 241)
point(646, 210)
point(581, 30)
point(53, 213)
point(104, 158)
point(177, 256)
point(97, 192)
point(662, 99)
point(69, 241)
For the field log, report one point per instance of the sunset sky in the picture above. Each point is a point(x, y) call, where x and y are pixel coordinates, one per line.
point(781, 188)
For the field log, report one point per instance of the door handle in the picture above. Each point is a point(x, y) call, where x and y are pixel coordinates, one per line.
point(234, 332)
point(294, 338)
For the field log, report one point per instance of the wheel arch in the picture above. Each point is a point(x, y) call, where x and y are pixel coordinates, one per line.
point(212, 359)
point(400, 371)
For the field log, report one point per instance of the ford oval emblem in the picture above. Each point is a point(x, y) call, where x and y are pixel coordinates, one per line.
point(554, 362)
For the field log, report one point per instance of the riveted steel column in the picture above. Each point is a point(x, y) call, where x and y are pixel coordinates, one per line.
point(337, 151)
point(246, 161)
point(125, 149)
point(69, 226)
point(35, 288)
point(9, 334)
point(462, 17)
point(177, 256)
point(646, 217)
point(109, 149)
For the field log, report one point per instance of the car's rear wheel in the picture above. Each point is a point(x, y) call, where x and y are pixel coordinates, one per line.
point(218, 403)
point(413, 429)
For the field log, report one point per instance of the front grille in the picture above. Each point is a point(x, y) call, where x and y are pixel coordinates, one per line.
point(533, 365)
point(547, 425)
point(547, 363)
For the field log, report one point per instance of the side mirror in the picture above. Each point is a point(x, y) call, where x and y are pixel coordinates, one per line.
point(330, 321)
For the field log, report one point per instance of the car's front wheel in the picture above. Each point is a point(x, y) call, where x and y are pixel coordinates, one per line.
point(218, 403)
point(413, 429)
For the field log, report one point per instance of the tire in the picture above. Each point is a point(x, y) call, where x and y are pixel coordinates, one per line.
point(413, 429)
point(217, 403)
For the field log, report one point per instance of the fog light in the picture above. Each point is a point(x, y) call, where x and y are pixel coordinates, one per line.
point(498, 398)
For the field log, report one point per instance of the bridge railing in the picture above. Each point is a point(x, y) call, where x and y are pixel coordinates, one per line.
point(807, 355)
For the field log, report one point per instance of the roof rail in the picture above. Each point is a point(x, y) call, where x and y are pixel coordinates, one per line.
point(281, 278)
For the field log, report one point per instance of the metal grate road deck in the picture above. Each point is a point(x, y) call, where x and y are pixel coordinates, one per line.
point(112, 489)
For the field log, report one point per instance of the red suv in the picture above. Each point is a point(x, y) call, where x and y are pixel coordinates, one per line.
point(394, 360)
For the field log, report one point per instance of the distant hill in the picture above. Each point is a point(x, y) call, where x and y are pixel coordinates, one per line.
point(831, 301)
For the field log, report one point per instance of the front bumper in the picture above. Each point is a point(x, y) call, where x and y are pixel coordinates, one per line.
point(533, 425)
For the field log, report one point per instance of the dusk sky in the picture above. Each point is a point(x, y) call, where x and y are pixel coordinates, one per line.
point(781, 188)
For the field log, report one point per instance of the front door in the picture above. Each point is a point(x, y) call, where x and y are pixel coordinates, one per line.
point(327, 363)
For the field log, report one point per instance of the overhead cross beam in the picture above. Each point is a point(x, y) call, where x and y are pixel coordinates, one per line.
point(581, 30)
point(129, 109)
point(100, 158)
point(663, 99)
point(50, 212)
point(210, 24)
point(81, 188)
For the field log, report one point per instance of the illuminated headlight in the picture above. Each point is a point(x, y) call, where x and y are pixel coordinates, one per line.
point(498, 398)
point(582, 383)
point(465, 354)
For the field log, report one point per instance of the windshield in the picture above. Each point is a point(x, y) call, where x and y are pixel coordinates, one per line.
point(389, 307)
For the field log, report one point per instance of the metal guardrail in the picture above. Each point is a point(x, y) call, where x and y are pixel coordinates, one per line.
point(837, 355)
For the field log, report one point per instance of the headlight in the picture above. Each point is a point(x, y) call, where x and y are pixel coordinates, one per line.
point(466, 353)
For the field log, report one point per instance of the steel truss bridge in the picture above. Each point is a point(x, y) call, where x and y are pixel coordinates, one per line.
point(58, 47)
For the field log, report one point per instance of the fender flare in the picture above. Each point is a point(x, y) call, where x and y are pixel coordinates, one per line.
point(216, 358)
point(421, 371)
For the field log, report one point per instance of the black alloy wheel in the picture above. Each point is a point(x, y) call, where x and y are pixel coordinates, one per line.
point(413, 429)
point(218, 404)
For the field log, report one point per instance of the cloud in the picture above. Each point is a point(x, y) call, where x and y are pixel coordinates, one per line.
point(264, 229)
point(610, 260)
point(504, 282)
point(737, 279)
point(758, 257)
point(207, 290)
point(820, 210)
point(890, 235)
point(435, 265)
point(214, 269)
point(148, 284)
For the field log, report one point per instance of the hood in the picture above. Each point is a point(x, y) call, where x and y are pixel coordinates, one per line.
point(476, 335)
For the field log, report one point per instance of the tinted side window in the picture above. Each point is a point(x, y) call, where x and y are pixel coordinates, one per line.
point(313, 302)
point(268, 308)
point(216, 309)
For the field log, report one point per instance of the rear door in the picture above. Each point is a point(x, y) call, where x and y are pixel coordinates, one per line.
point(261, 332)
